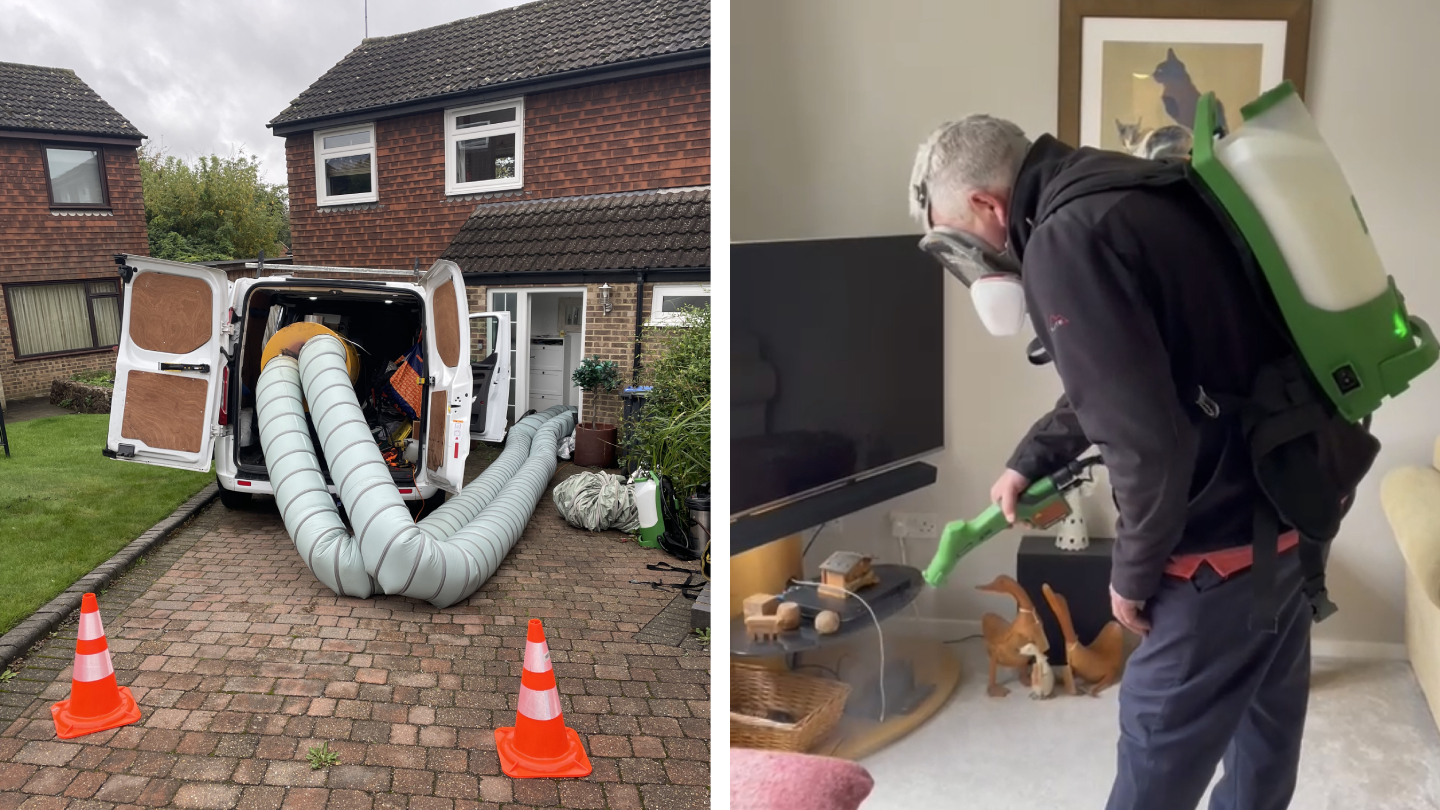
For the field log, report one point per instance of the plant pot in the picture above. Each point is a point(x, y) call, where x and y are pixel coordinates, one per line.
point(595, 445)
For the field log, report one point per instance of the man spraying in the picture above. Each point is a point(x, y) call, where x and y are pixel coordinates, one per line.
point(1138, 294)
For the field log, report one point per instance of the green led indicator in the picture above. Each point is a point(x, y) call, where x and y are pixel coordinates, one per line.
point(1402, 329)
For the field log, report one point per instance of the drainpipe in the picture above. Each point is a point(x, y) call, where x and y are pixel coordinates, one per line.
point(639, 323)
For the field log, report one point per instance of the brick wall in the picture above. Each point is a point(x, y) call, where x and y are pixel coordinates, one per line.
point(37, 245)
point(633, 135)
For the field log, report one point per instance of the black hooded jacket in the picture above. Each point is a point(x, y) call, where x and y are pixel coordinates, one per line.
point(1139, 295)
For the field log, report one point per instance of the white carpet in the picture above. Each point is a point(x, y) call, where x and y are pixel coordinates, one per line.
point(1369, 743)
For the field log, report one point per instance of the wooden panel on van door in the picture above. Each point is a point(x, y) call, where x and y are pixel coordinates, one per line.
point(435, 439)
point(165, 410)
point(170, 314)
point(447, 323)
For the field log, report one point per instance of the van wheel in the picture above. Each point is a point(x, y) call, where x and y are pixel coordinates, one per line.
point(234, 500)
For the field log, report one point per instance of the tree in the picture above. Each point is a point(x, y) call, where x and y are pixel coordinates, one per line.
point(594, 376)
point(216, 208)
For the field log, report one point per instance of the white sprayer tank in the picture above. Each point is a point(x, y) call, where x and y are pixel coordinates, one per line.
point(1293, 179)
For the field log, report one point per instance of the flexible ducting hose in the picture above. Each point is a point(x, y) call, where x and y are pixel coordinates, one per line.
point(444, 558)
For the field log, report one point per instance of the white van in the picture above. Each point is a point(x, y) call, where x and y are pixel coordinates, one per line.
point(190, 350)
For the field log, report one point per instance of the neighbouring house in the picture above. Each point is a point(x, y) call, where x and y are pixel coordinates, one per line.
point(69, 201)
point(558, 152)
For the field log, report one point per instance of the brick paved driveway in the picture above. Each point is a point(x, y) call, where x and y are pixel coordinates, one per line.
point(242, 661)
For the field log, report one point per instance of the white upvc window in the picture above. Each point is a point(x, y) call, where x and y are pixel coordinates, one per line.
point(668, 300)
point(484, 147)
point(345, 166)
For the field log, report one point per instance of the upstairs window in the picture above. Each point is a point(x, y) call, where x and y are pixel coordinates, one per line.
point(76, 177)
point(345, 166)
point(484, 146)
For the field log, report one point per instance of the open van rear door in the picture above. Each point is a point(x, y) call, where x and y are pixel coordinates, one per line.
point(491, 375)
point(447, 359)
point(169, 364)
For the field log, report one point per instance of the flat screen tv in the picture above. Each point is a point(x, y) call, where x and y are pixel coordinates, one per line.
point(836, 364)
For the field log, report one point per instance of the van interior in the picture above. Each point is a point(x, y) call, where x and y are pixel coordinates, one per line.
point(383, 323)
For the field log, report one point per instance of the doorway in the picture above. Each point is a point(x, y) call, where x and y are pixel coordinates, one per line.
point(547, 340)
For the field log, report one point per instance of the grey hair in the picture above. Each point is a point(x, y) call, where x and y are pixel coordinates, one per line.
point(976, 153)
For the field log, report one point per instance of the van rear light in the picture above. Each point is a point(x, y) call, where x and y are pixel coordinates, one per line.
point(225, 396)
point(242, 483)
point(406, 491)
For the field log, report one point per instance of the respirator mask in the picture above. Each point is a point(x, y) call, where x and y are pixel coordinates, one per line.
point(993, 278)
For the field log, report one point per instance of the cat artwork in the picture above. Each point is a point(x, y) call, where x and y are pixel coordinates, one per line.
point(1180, 95)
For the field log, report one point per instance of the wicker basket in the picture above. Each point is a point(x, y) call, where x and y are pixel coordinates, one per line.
point(815, 703)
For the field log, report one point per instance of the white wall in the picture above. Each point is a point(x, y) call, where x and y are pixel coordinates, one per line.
point(830, 99)
point(545, 313)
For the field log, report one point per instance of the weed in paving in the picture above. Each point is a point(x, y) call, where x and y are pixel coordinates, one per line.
point(322, 757)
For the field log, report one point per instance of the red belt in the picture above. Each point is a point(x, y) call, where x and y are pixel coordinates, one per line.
point(1227, 561)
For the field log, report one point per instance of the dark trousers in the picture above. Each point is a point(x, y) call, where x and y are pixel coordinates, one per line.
point(1203, 689)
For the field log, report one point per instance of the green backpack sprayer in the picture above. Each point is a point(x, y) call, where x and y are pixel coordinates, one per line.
point(1279, 189)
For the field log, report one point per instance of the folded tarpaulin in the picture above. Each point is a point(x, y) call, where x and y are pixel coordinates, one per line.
point(598, 501)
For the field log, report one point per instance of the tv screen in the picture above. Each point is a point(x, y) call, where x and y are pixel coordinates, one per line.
point(836, 363)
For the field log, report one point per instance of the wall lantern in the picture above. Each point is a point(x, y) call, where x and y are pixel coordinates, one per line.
point(605, 298)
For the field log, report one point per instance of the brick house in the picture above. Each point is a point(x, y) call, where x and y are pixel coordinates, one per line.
point(558, 151)
point(69, 200)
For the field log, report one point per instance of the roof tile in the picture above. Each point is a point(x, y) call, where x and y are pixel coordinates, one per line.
point(530, 41)
point(56, 100)
point(628, 231)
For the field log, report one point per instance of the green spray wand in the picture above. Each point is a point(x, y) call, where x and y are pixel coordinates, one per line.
point(1042, 505)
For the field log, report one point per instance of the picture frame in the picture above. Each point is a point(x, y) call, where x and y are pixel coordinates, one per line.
point(570, 313)
point(1122, 61)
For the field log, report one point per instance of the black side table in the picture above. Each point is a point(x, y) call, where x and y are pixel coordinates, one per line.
point(1082, 577)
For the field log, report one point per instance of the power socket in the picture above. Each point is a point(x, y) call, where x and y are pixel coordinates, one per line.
point(899, 524)
point(924, 525)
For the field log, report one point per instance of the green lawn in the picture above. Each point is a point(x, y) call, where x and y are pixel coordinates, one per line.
point(64, 508)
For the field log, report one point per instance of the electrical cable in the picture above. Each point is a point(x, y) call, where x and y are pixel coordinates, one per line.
point(966, 638)
point(878, 631)
point(833, 672)
point(905, 561)
point(812, 541)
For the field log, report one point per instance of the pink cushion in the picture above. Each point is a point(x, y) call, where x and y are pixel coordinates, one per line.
point(778, 780)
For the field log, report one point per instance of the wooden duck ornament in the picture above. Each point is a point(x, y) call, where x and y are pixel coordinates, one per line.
point(1004, 640)
point(1098, 662)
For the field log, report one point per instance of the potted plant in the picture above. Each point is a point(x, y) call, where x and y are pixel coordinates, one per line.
point(594, 442)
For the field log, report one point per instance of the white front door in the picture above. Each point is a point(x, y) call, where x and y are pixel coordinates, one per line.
point(169, 364)
point(519, 302)
point(447, 363)
point(494, 329)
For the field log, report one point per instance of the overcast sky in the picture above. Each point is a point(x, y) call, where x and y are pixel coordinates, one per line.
point(204, 76)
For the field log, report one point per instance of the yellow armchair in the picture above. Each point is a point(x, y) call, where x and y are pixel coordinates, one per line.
point(1410, 497)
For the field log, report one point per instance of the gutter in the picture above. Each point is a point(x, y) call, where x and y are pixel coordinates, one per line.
point(71, 137)
point(527, 278)
point(554, 81)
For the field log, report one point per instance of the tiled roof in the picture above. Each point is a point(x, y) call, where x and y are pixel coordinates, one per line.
point(524, 42)
point(630, 231)
point(56, 100)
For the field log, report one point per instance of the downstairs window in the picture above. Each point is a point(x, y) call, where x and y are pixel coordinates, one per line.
point(57, 318)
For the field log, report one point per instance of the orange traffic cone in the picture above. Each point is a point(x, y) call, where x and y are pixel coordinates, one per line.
point(540, 746)
point(96, 702)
